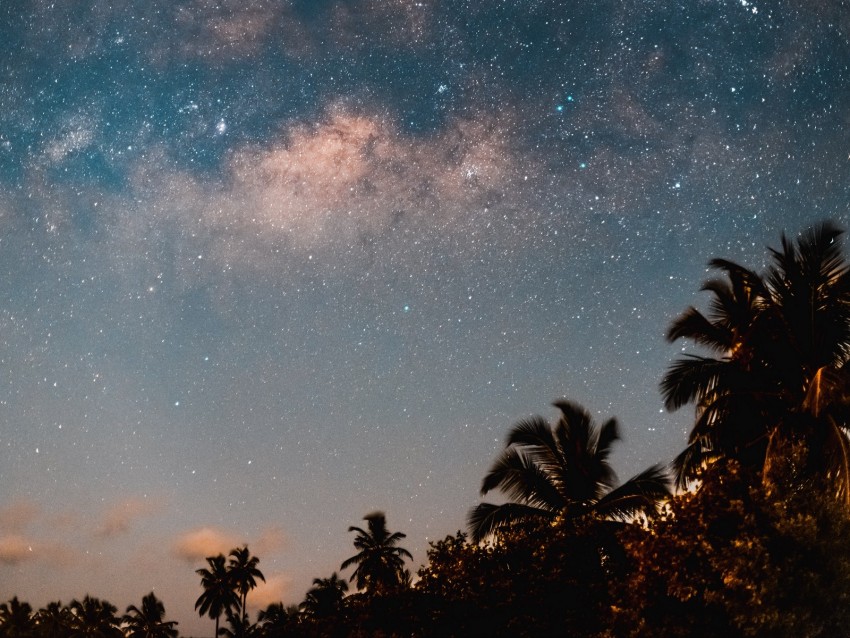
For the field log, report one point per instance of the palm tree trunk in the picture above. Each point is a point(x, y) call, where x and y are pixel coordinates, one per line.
point(216, 627)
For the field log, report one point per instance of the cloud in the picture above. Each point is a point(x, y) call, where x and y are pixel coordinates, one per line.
point(275, 589)
point(326, 186)
point(119, 518)
point(15, 549)
point(271, 540)
point(18, 515)
point(197, 544)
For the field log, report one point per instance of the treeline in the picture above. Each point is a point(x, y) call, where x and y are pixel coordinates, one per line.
point(751, 542)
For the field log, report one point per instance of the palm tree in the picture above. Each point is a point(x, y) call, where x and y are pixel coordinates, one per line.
point(243, 574)
point(239, 627)
point(275, 619)
point(776, 374)
point(380, 563)
point(16, 619)
point(53, 621)
point(218, 596)
point(94, 618)
point(148, 622)
point(562, 473)
point(325, 598)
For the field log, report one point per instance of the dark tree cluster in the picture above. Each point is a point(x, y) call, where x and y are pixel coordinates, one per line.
point(753, 542)
point(87, 618)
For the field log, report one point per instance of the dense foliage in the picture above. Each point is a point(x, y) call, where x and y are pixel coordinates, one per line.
point(754, 543)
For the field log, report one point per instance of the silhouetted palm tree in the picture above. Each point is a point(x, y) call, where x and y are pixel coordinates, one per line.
point(148, 622)
point(16, 619)
point(243, 574)
point(380, 562)
point(219, 595)
point(94, 618)
point(53, 621)
point(239, 626)
point(275, 619)
point(563, 472)
point(777, 372)
point(325, 598)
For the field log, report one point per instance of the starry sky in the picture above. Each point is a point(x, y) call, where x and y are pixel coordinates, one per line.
point(266, 267)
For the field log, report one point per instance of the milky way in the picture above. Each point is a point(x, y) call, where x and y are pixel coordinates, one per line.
point(266, 267)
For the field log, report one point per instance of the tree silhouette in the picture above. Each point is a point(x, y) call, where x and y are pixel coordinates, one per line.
point(148, 622)
point(243, 574)
point(275, 619)
point(380, 562)
point(325, 598)
point(53, 621)
point(239, 626)
point(777, 373)
point(16, 619)
point(563, 472)
point(94, 618)
point(219, 595)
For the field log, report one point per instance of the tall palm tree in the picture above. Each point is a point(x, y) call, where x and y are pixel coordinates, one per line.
point(779, 344)
point(380, 562)
point(244, 574)
point(16, 619)
point(94, 618)
point(325, 598)
point(148, 622)
point(218, 596)
point(562, 472)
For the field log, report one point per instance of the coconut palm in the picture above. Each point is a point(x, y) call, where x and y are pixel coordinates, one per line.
point(239, 626)
point(94, 618)
point(53, 621)
point(380, 562)
point(325, 598)
point(16, 619)
point(148, 622)
point(779, 344)
point(275, 619)
point(244, 574)
point(562, 472)
point(219, 595)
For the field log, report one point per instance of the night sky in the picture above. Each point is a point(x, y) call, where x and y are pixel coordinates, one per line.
point(266, 267)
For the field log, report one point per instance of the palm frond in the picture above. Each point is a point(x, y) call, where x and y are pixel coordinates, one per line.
point(486, 519)
point(608, 433)
point(688, 377)
point(693, 325)
point(573, 430)
point(533, 431)
point(640, 494)
point(690, 461)
point(837, 460)
point(517, 476)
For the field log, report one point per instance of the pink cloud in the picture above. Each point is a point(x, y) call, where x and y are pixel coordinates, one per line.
point(15, 549)
point(271, 540)
point(197, 544)
point(274, 590)
point(326, 185)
